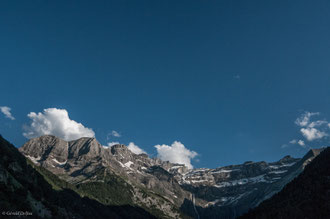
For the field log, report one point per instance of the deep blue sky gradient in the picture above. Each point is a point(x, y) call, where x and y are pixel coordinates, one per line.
point(159, 71)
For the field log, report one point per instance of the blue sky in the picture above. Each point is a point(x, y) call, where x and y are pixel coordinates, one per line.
point(227, 79)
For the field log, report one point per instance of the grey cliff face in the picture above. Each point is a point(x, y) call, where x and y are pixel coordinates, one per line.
point(225, 192)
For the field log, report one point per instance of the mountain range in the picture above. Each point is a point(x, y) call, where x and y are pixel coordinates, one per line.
point(36, 192)
point(128, 185)
point(307, 196)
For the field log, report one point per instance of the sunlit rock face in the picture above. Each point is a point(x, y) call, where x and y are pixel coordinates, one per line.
point(225, 192)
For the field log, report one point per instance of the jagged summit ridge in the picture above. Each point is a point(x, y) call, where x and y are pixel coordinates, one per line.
point(85, 157)
point(226, 191)
point(27, 188)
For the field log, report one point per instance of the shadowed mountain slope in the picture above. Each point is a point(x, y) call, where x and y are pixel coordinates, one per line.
point(26, 187)
point(165, 189)
point(307, 196)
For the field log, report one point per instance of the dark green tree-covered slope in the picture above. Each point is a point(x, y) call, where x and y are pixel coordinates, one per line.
point(26, 187)
point(117, 176)
point(307, 196)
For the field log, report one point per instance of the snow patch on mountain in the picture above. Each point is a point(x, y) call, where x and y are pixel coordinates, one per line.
point(34, 159)
point(128, 164)
point(60, 163)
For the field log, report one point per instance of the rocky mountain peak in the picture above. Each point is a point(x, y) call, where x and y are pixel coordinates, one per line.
point(45, 146)
point(119, 149)
point(122, 154)
point(248, 162)
point(317, 151)
point(310, 156)
point(237, 187)
point(85, 147)
point(287, 158)
point(53, 152)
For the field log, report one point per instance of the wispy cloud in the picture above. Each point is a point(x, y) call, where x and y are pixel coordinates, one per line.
point(6, 111)
point(113, 133)
point(294, 141)
point(237, 77)
point(176, 153)
point(304, 119)
point(53, 121)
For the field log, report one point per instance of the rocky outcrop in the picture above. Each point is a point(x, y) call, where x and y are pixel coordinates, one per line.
point(82, 160)
point(225, 192)
point(33, 191)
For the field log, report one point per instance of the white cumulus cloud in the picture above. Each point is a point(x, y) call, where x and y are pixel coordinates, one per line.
point(6, 111)
point(312, 129)
point(294, 141)
point(135, 149)
point(312, 133)
point(53, 121)
point(301, 143)
point(176, 153)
